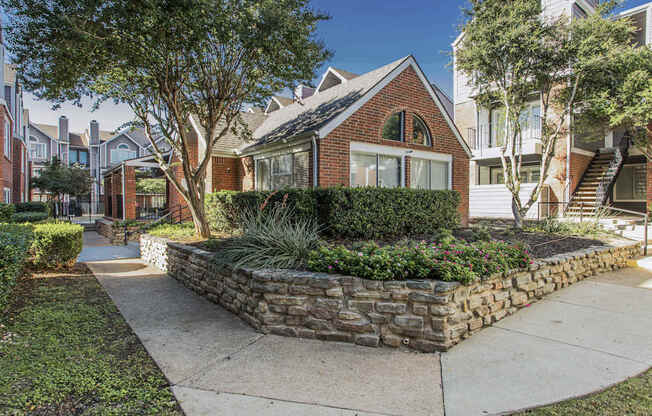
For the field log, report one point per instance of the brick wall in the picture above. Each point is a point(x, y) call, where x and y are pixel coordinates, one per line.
point(578, 165)
point(226, 174)
point(130, 193)
point(405, 93)
point(18, 175)
point(6, 168)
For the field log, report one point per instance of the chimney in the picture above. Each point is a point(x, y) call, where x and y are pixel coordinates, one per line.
point(95, 132)
point(63, 129)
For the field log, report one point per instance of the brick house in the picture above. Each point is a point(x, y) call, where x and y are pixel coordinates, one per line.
point(588, 169)
point(389, 127)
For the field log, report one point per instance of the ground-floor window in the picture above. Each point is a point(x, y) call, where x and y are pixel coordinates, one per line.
point(492, 175)
point(6, 196)
point(282, 171)
point(375, 170)
point(631, 183)
point(428, 174)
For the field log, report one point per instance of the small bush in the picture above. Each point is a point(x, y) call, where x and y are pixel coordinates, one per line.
point(177, 232)
point(567, 228)
point(449, 261)
point(357, 213)
point(6, 211)
point(272, 238)
point(15, 241)
point(21, 217)
point(34, 206)
point(56, 245)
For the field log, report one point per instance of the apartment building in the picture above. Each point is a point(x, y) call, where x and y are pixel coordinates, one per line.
point(601, 170)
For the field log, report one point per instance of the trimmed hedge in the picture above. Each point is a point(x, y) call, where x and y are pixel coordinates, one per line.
point(356, 213)
point(56, 244)
point(15, 241)
point(21, 217)
point(6, 211)
point(34, 206)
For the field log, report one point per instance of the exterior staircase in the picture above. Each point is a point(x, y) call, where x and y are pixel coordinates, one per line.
point(597, 182)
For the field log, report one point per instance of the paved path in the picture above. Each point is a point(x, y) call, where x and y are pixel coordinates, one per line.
point(587, 337)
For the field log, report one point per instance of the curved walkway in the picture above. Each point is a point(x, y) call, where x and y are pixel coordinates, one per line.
point(594, 334)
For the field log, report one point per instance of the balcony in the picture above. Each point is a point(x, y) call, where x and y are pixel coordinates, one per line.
point(484, 146)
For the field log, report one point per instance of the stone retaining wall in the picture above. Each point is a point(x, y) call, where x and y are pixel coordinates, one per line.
point(116, 234)
point(424, 315)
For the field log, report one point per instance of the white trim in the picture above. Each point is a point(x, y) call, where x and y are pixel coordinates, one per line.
point(122, 134)
point(280, 105)
point(300, 147)
point(271, 147)
point(359, 147)
point(330, 70)
point(408, 62)
point(449, 173)
point(195, 126)
point(582, 152)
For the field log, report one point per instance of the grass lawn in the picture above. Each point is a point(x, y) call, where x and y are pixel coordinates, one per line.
point(65, 349)
point(632, 397)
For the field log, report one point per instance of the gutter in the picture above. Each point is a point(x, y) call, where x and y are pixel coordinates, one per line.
point(315, 176)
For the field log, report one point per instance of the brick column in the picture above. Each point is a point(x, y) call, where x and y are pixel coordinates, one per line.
point(130, 193)
point(116, 186)
point(108, 192)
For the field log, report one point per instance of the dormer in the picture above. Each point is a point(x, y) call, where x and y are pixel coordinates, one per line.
point(333, 77)
point(277, 102)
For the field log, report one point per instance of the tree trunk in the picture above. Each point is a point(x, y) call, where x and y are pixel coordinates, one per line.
point(518, 217)
point(198, 211)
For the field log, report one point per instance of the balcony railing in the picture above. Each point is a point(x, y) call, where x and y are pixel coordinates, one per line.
point(482, 137)
point(119, 155)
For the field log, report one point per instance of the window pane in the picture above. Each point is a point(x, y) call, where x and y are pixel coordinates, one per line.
point(83, 157)
point(282, 171)
point(438, 175)
point(73, 156)
point(497, 176)
point(420, 132)
point(389, 172)
point(483, 172)
point(498, 127)
point(263, 175)
point(625, 184)
point(419, 176)
point(363, 170)
point(640, 182)
point(392, 130)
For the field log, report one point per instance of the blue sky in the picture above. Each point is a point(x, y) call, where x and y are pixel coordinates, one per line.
point(363, 34)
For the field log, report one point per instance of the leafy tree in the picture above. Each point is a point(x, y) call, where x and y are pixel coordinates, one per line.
point(150, 186)
point(57, 180)
point(168, 60)
point(510, 52)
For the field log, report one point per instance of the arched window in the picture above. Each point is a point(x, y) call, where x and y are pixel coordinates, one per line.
point(420, 132)
point(393, 128)
point(123, 146)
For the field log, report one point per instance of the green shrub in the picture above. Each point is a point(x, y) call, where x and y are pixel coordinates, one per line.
point(271, 238)
point(450, 261)
point(56, 245)
point(358, 213)
point(21, 217)
point(567, 228)
point(225, 208)
point(177, 232)
point(6, 211)
point(34, 206)
point(15, 241)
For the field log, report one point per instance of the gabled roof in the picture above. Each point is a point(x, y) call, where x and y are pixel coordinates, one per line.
point(324, 111)
point(49, 130)
point(277, 102)
point(230, 142)
point(345, 74)
point(333, 77)
point(78, 140)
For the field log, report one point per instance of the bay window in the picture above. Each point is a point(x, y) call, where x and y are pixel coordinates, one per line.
point(429, 174)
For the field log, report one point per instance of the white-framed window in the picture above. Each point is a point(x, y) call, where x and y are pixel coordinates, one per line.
point(6, 195)
point(289, 170)
point(429, 174)
point(375, 170)
point(122, 153)
point(493, 175)
point(36, 150)
point(631, 184)
point(7, 140)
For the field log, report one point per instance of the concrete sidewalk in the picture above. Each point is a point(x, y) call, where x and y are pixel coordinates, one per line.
point(587, 337)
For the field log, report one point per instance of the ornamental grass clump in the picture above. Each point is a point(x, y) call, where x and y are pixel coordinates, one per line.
point(272, 236)
point(448, 261)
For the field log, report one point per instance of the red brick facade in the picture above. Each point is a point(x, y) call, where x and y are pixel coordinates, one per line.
point(404, 93)
point(226, 173)
point(578, 165)
point(19, 193)
point(6, 165)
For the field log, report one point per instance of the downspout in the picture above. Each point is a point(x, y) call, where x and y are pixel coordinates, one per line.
point(124, 210)
point(315, 176)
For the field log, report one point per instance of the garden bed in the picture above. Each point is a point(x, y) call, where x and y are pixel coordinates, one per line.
point(426, 315)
